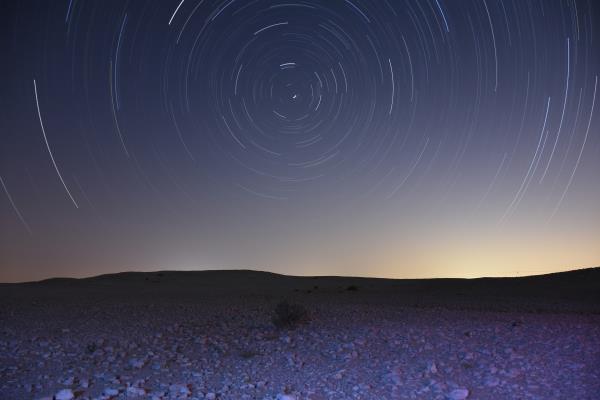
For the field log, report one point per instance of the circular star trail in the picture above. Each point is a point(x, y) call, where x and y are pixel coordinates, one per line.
point(288, 93)
point(135, 116)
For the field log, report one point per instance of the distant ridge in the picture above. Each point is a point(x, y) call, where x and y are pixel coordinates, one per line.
point(577, 274)
point(576, 291)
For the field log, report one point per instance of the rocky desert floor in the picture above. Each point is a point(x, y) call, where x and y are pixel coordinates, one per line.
point(210, 335)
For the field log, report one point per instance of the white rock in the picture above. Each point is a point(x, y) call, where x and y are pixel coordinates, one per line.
point(179, 389)
point(65, 394)
point(432, 368)
point(110, 392)
point(396, 375)
point(491, 381)
point(285, 397)
point(458, 394)
point(136, 363)
point(135, 391)
point(69, 381)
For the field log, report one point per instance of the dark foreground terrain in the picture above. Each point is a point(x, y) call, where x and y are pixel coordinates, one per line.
point(210, 335)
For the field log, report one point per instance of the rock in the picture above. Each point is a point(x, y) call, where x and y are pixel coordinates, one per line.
point(395, 375)
point(65, 394)
point(135, 363)
point(180, 389)
point(491, 381)
point(458, 394)
point(110, 392)
point(432, 368)
point(286, 397)
point(69, 381)
point(135, 391)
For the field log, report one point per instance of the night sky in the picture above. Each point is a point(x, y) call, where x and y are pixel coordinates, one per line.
point(391, 138)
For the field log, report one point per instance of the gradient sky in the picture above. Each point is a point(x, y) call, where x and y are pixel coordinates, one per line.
point(391, 138)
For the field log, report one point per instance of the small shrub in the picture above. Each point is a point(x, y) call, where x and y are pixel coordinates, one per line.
point(288, 315)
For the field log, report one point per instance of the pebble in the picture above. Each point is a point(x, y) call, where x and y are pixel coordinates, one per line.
point(458, 394)
point(286, 397)
point(180, 389)
point(64, 394)
point(135, 391)
point(135, 363)
point(69, 381)
point(110, 392)
point(491, 381)
point(432, 368)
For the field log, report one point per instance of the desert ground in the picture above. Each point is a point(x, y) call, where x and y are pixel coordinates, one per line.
point(211, 335)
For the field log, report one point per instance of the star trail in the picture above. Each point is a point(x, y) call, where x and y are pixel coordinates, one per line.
point(409, 138)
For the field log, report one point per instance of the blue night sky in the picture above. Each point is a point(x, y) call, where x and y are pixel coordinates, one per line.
point(391, 138)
